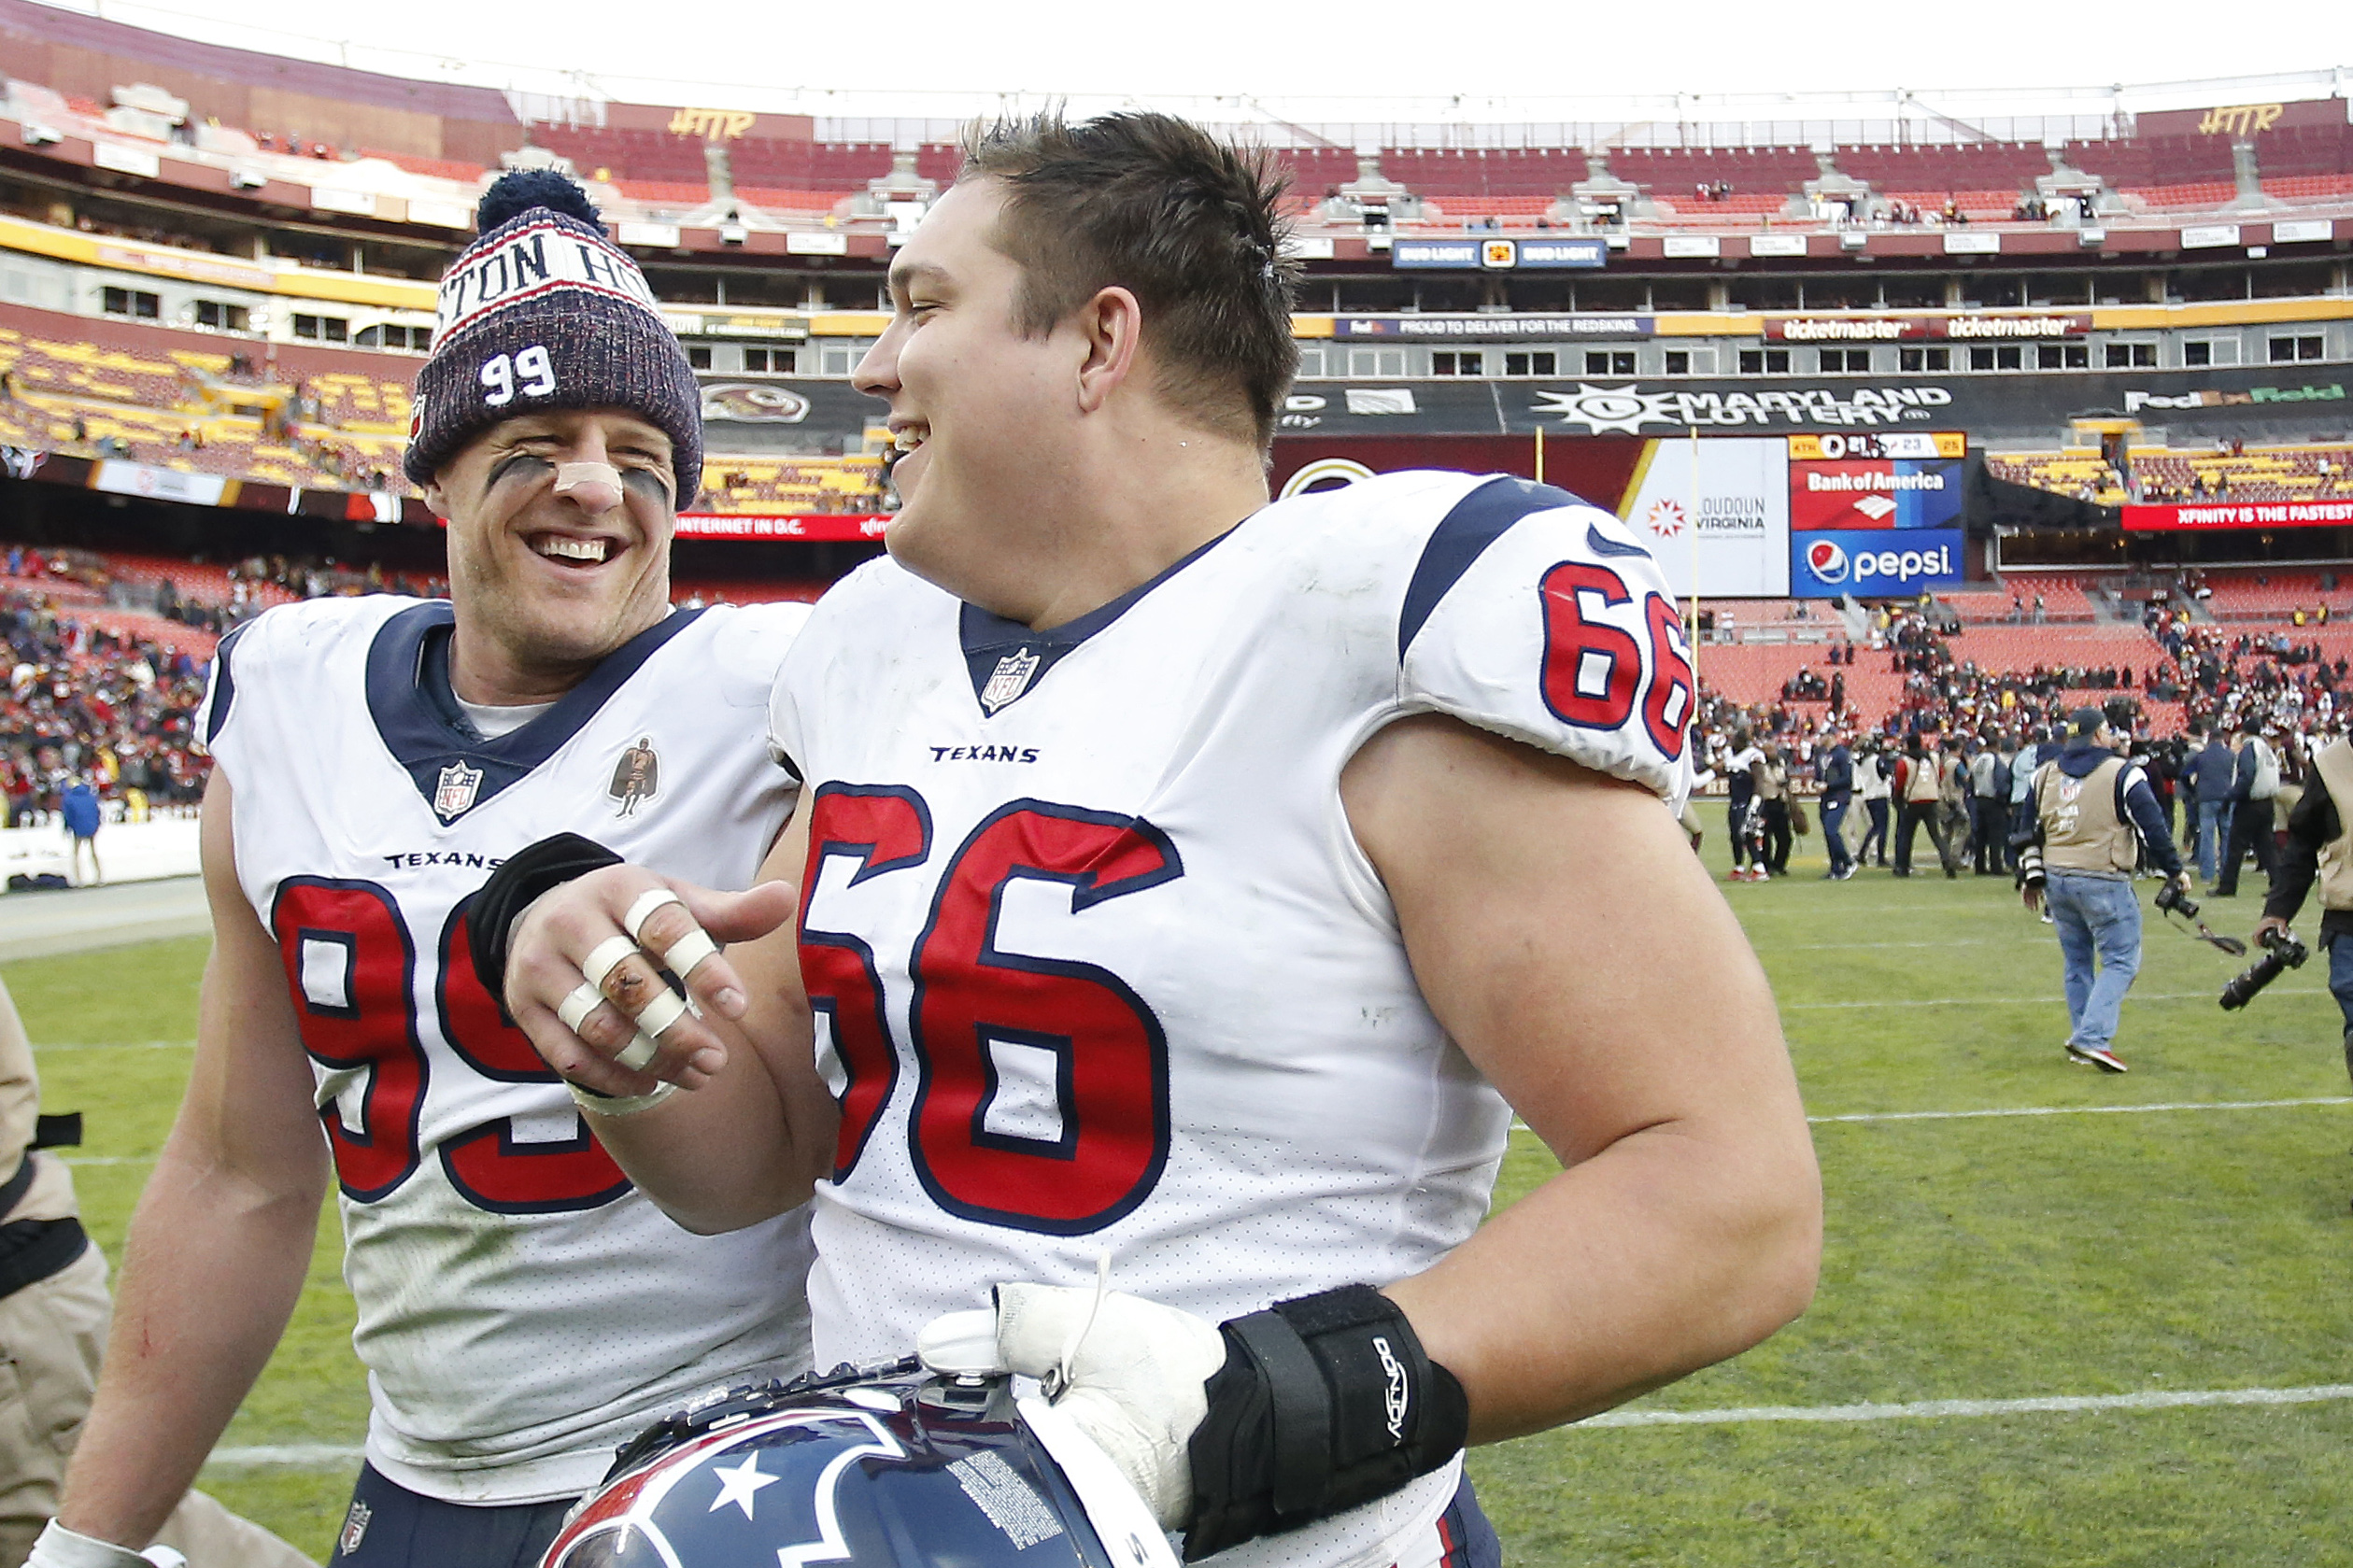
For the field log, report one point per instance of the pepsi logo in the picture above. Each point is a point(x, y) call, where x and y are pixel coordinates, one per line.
point(1825, 561)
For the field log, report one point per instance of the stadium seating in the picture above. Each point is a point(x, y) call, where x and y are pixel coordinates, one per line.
point(805, 485)
point(321, 419)
point(2287, 472)
point(1941, 167)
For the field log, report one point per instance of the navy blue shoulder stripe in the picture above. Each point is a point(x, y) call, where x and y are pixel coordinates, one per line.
point(224, 688)
point(1601, 544)
point(1462, 536)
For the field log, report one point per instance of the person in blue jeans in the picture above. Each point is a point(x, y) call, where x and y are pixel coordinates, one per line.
point(2205, 784)
point(2321, 849)
point(79, 805)
point(1837, 792)
point(2088, 818)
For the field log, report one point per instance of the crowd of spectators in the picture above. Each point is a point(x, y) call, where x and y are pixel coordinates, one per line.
point(1967, 738)
point(85, 705)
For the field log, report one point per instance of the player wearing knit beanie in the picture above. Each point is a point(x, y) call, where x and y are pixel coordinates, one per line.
point(543, 312)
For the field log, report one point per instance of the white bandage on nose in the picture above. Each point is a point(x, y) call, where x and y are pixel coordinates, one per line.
point(588, 482)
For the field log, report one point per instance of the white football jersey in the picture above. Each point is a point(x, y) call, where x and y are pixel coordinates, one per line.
point(1096, 962)
point(522, 1308)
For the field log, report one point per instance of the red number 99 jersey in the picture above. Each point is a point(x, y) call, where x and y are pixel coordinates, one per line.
point(518, 1300)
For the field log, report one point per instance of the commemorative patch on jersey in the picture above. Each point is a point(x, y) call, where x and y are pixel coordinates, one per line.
point(637, 777)
point(453, 797)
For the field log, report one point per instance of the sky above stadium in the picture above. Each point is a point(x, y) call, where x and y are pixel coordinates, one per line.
point(935, 57)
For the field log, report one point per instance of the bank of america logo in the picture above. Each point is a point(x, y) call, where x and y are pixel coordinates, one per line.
point(1009, 679)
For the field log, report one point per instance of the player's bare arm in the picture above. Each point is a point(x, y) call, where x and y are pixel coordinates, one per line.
point(1566, 938)
point(222, 1235)
point(752, 1139)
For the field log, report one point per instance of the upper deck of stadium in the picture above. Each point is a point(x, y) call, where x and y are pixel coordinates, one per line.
point(2120, 170)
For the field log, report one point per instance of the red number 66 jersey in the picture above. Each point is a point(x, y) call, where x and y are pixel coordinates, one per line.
point(1096, 961)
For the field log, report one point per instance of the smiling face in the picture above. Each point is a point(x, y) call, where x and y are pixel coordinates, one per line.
point(983, 414)
point(560, 528)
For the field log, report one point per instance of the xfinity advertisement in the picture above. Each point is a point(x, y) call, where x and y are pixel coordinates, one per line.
point(1872, 563)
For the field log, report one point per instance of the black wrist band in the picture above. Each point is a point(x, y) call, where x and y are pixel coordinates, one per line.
point(1324, 1402)
point(523, 877)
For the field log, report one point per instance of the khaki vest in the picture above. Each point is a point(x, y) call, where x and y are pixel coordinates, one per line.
point(2081, 831)
point(1774, 783)
point(1921, 777)
point(2335, 766)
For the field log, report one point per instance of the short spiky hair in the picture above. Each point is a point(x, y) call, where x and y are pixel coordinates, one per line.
point(1187, 223)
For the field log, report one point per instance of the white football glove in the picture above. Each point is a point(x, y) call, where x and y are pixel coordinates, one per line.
point(61, 1547)
point(1129, 1372)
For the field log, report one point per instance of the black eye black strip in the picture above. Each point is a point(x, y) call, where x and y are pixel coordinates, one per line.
point(505, 466)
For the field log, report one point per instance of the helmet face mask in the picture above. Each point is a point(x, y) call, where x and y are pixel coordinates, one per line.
point(893, 1467)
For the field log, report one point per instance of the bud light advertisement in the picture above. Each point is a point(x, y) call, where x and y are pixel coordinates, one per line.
point(1874, 564)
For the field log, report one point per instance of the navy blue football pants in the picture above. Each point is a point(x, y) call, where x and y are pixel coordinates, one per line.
point(388, 1526)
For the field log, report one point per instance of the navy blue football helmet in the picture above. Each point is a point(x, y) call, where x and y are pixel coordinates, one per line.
point(887, 1466)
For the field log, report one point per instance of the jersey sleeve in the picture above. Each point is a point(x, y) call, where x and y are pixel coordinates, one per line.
point(1536, 616)
point(221, 692)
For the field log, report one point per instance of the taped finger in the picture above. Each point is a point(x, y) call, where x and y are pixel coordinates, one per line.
point(639, 1052)
point(580, 1001)
point(640, 910)
point(689, 951)
point(605, 958)
point(658, 1014)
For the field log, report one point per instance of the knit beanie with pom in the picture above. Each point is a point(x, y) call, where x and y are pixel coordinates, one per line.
point(543, 311)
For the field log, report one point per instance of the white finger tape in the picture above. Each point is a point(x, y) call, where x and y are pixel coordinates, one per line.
point(608, 1105)
point(661, 1013)
point(688, 951)
point(605, 957)
point(580, 1001)
point(639, 1052)
point(640, 911)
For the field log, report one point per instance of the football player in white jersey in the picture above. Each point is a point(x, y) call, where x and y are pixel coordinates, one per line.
point(519, 1303)
point(1201, 885)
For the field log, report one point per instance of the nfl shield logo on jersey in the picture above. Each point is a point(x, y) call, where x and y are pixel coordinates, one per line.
point(355, 1529)
point(1009, 679)
point(454, 796)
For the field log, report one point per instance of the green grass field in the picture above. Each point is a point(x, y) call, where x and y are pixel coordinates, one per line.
point(1986, 1258)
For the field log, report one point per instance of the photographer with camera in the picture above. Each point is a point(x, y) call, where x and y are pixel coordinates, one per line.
point(2319, 849)
point(2087, 816)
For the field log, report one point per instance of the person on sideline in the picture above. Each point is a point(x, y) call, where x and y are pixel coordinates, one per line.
point(1837, 779)
point(2206, 780)
point(1919, 788)
point(1874, 789)
point(2093, 817)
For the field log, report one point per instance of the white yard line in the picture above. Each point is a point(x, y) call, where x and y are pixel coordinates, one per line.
point(1930, 1410)
point(326, 1456)
point(108, 1159)
point(116, 1045)
point(1965, 941)
point(2080, 1109)
point(2208, 997)
point(1520, 1127)
point(293, 1456)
